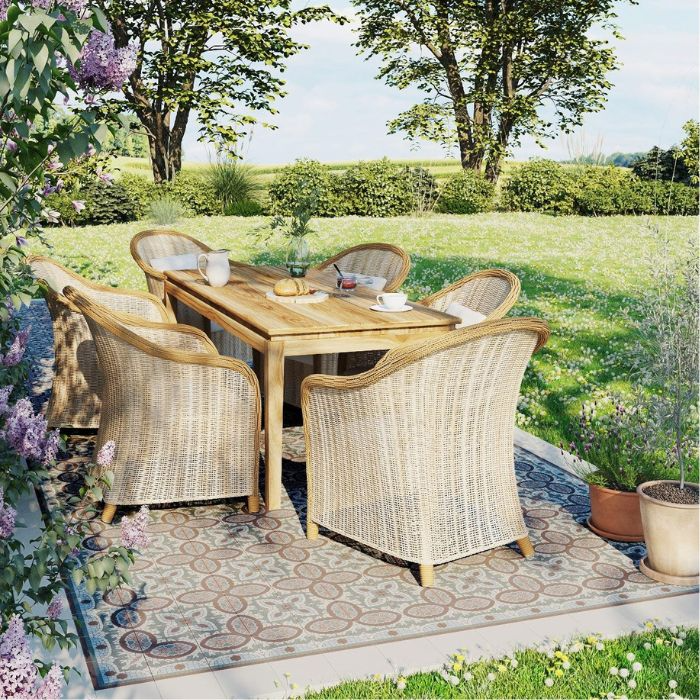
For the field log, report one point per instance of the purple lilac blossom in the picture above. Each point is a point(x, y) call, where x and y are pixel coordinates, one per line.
point(52, 686)
point(53, 612)
point(41, 4)
point(78, 205)
point(106, 454)
point(4, 4)
point(15, 353)
point(7, 518)
point(77, 6)
point(17, 670)
point(26, 434)
point(51, 447)
point(5, 400)
point(102, 65)
point(133, 530)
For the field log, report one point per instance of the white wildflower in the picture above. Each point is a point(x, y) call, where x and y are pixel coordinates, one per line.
point(647, 645)
point(673, 684)
point(490, 676)
point(599, 646)
point(613, 670)
point(624, 672)
point(549, 682)
point(632, 683)
point(630, 657)
point(636, 666)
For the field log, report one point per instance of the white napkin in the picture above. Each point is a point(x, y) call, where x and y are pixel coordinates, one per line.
point(375, 283)
point(469, 316)
point(188, 261)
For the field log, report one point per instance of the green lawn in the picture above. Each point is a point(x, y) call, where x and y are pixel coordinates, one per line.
point(580, 274)
point(577, 670)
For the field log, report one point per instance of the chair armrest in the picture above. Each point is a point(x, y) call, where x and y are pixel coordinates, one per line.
point(173, 336)
point(135, 303)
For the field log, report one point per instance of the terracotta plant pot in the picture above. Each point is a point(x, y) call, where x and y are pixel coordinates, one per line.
point(615, 514)
point(671, 534)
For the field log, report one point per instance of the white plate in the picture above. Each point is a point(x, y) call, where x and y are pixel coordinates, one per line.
point(379, 307)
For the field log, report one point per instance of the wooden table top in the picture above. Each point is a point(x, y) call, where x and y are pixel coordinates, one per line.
point(243, 299)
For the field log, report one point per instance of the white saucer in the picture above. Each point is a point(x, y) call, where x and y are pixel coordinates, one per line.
point(379, 307)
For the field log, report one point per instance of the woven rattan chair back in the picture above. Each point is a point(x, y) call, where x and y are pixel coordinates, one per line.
point(75, 400)
point(161, 243)
point(426, 476)
point(377, 259)
point(490, 292)
point(185, 420)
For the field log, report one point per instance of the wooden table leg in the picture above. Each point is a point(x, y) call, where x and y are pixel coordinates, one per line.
point(318, 366)
point(274, 398)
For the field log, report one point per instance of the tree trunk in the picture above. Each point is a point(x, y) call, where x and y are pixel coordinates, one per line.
point(165, 146)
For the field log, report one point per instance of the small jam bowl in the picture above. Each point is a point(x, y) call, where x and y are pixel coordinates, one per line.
point(347, 282)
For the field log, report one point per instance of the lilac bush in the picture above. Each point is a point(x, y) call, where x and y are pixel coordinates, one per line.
point(52, 52)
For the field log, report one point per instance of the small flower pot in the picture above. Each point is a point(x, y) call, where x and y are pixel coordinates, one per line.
point(615, 514)
point(671, 534)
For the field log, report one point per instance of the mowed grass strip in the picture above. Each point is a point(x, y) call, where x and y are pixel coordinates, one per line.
point(654, 664)
point(583, 275)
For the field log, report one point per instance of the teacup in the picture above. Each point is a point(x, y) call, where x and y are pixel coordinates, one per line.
point(392, 300)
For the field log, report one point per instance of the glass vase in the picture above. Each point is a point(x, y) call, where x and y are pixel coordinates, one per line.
point(298, 256)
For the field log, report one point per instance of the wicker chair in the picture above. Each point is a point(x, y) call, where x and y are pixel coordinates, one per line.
point(425, 476)
point(160, 243)
point(185, 420)
point(490, 292)
point(75, 394)
point(376, 259)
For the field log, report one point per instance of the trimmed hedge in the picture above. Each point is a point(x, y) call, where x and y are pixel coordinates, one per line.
point(382, 189)
point(369, 188)
point(543, 185)
point(466, 193)
point(305, 175)
point(540, 185)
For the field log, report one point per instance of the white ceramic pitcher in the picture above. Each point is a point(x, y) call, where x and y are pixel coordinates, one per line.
point(216, 267)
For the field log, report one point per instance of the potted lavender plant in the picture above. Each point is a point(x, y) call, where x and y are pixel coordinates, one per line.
point(611, 452)
point(667, 354)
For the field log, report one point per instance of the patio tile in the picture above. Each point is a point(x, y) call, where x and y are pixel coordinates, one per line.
point(361, 662)
point(196, 685)
point(253, 681)
point(135, 691)
point(412, 655)
point(306, 672)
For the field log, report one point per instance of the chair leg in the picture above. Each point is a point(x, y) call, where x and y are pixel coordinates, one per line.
point(427, 575)
point(108, 513)
point(253, 504)
point(526, 548)
point(311, 530)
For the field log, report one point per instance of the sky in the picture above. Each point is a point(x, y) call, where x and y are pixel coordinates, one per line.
point(335, 109)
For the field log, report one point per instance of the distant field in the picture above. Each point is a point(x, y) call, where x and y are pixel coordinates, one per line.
point(439, 168)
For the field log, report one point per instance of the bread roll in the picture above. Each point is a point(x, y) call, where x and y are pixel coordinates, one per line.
point(291, 288)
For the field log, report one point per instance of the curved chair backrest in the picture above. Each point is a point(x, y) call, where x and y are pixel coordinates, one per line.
point(161, 243)
point(75, 392)
point(378, 259)
point(447, 453)
point(490, 292)
point(57, 277)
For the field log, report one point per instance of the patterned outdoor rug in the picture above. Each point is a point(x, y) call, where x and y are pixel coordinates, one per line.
point(218, 587)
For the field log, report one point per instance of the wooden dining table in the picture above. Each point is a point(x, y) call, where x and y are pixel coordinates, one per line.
point(343, 322)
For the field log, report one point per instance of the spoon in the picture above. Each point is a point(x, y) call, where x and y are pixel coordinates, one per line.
point(338, 269)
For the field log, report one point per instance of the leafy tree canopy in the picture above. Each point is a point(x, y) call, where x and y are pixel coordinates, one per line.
point(222, 59)
point(491, 71)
